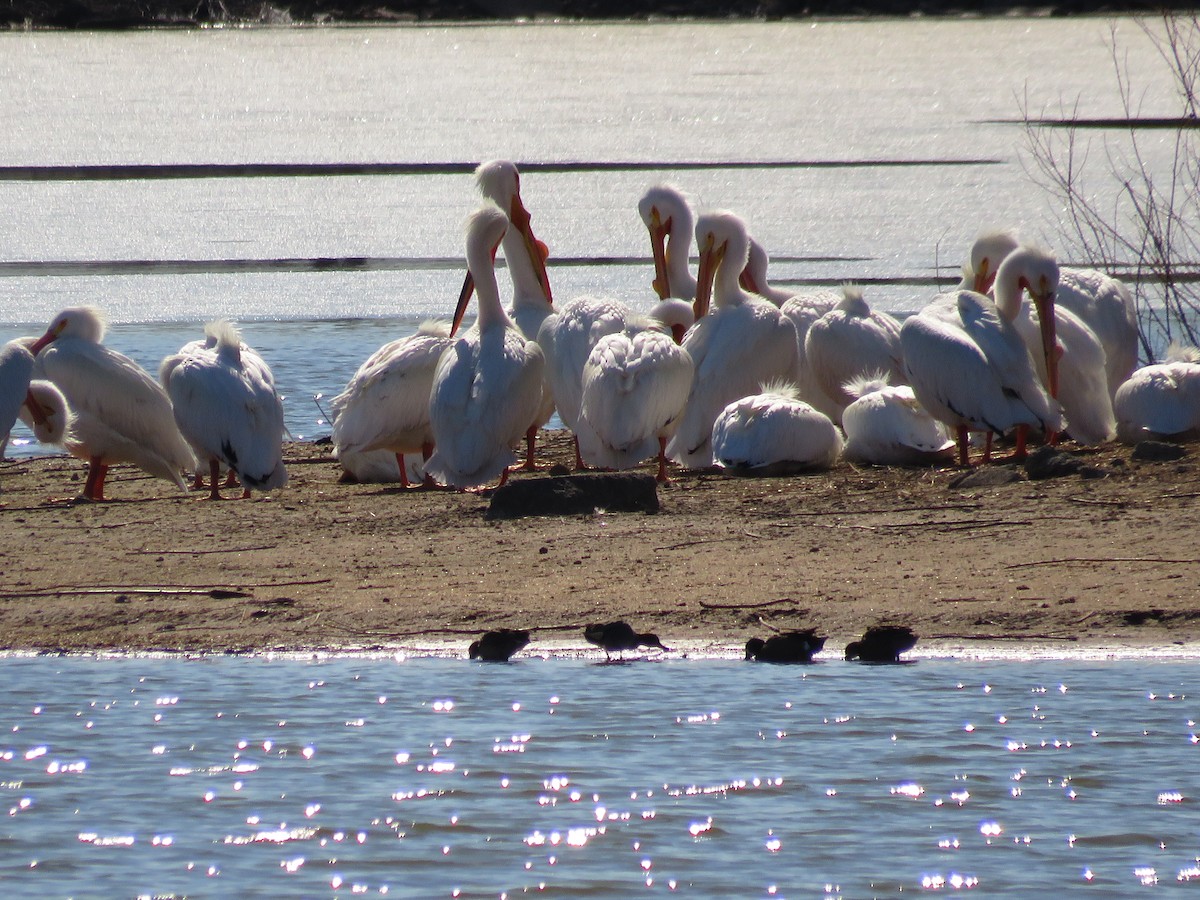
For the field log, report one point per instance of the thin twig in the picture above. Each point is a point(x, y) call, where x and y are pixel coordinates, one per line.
point(1024, 636)
point(694, 543)
point(201, 552)
point(1080, 560)
point(706, 605)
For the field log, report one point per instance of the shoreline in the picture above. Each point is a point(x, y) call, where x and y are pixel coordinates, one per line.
point(121, 15)
point(1070, 564)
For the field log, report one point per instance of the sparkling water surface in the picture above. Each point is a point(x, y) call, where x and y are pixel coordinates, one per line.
point(439, 777)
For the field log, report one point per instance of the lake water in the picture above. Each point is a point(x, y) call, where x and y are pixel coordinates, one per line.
point(438, 777)
point(858, 151)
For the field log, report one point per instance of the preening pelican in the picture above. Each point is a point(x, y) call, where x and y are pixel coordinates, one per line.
point(1082, 376)
point(635, 386)
point(525, 257)
point(774, 433)
point(802, 310)
point(886, 426)
point(385, 406)
point(16, 370)
point(45, 413)
point(1161, 401)
point(121, 413)
point(225, 404)
point(668, 217)
point(966, 361)
point(488, 383)
point(848, 342)
point(882, 644)
point(788, 647)
point(742, 344)
point(1103, 303)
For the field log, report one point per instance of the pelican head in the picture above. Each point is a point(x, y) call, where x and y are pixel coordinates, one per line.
point(988, 251)
point(719, 235)
point(677, 316)
point(1036, 271)
point(754, 276)
point(46, 412)
point(665, 211)
point(84, 322)
point(500, 182)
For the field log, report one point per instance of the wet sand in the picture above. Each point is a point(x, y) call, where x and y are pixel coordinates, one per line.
point(1068, 562)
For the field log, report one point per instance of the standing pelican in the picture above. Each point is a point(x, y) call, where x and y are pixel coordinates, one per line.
point(743, 343)
point(848, 342)
point(488, 383)
point(1161, 401)
point(1103, 303)
point(225, 404)
point(774, 433)
point(886, 426)
point(968, 365)
point(121, 413)
point(385, 406)
point(668, 217)
point(525, 258)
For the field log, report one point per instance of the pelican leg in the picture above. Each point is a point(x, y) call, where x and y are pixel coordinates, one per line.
point(530, 452)
point(198, 481)
point(987, 447)
point(964, 446)
point(662, 477)
point(427, 451)
point(214, 471)
point(93, 488)
point(580, 465)
point(1020, 452)
point(404, 482)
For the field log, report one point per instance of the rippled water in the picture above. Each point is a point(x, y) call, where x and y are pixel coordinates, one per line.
point(437, 777)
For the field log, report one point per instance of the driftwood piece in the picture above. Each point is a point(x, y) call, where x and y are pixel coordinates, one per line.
point(571, 495)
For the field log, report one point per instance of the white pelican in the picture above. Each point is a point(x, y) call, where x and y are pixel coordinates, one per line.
point(525, 258)
point(635, 386)
point(968, 365)
point(385, 406)
point(802, 310)
point(121, 413)
point(848, 342)
point(1162, 400)
point(774, 433)
point(225, 404)
point(668, 217)
point(45, 413)
point(743, 343)
point(1101, 302)
point(16, 370)
point(886, 426)
point(488, 383)
point(1082, 376)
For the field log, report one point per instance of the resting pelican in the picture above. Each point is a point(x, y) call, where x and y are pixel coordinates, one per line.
point(385, 406)
point(966, 361)
point(225, 404)
point(16, 370)
point(1161, 401)
point(635, 386)
point(802, 310)
point(525, 257)
point(668, 217)
point(1103, 303)
point(121, 413)
point(743, 343)
point(498, 645)
point(886, 426)
point(848, 342)
point(774, 433)
point(488, 383)
point(788, 647)
point(882, 643)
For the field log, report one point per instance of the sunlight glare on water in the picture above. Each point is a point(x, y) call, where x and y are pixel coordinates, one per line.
point(294, 776)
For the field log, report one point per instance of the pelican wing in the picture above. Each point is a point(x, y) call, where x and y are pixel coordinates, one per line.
point(16, 369)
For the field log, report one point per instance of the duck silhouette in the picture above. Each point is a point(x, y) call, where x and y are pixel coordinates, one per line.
point(789, 647)
point(620, 636)
point(498, 645)
point(882, 643)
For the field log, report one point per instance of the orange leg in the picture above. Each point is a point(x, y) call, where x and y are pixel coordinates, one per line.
point(964, 446)
point(580, 465)
point(93, 488)
point(1020, 452)
point(427, 451)
point(404, 483)
point(214, 473)
point(661, 477)
point(530, 453)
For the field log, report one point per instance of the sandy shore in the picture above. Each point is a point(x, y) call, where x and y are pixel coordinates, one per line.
point(1070, 561)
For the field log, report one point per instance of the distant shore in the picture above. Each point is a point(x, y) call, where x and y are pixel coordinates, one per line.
point(125, 14)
